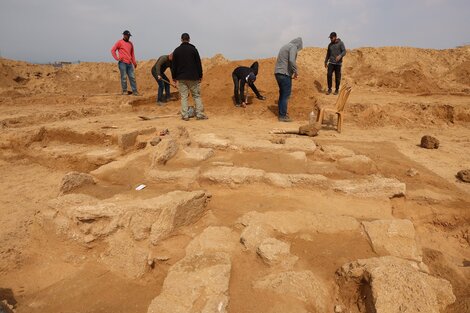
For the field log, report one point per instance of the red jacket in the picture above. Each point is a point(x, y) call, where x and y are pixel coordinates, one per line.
point(125, 50)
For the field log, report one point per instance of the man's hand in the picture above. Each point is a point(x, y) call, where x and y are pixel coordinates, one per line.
point(159, 77)
point(175, 82)
point(338, 58)
point(295, 76)
point(326, 65)
point(135, 65)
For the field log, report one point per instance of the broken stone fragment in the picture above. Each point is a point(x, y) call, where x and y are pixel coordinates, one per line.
point(127, 140)
point(276, 252)
point(200, 281)
point(396, 285)
point(393, 237)
point(164, 151)
point(74, 180)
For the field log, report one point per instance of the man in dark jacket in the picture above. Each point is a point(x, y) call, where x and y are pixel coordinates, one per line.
point(186, 70)
point(333, 61)
point(158, 72)
point(242, 75)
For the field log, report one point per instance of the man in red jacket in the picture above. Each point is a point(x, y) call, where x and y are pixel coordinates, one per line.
point(126, 61)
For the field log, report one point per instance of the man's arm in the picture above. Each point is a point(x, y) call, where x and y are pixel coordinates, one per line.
point(293, 58)
point(343, 49)
point(174, 65)
point(327, 55)
point(158, 66)
point(198, 64)
point(133, 56)
point(113, 51)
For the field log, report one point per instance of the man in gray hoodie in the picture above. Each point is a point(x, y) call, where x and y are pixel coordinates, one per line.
point(285, 71)
point(333, 61)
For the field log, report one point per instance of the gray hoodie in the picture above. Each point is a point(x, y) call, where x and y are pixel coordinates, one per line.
point(285, 63)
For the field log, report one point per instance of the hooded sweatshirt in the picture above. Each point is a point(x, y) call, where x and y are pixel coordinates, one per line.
point(334, 49)
point(286, 60)
point(242, 72)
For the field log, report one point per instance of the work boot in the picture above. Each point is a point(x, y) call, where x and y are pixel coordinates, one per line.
point(261, 98)
point(284, 119)
point(160, 103)
point(336, 92)
point(185, 118)
point(202, 117)
point(136, 93)
point(328, 92)
point(124, 93)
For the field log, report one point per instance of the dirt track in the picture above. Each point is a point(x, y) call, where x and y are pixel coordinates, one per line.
point(54, 121)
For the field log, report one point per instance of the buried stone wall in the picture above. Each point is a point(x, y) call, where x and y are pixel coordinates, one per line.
point(126, 226)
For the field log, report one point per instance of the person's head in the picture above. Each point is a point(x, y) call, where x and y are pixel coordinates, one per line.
point(333, 37)
point(126, 35)
point(185, 37)
point(170, 57)
point(251, 78)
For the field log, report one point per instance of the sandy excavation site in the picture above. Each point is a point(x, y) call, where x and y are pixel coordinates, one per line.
point(234, 218)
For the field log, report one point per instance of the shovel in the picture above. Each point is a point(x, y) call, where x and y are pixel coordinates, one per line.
point(146, 118)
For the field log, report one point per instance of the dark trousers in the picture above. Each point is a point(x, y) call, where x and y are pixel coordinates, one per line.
point(285, 88)
point(239, 89)
point(337, 69)
point(162, 86)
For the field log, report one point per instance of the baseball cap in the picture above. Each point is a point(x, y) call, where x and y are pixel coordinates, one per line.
point(126, 32)
point(333, 34)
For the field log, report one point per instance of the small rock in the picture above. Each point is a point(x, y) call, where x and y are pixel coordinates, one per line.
point(464, 175)
point(74, 180)
point(310, 130)
point(412, 172)
point(141, 145)
point(155, 141)
point(429, 142)
point(338, 309)
point(275, 252)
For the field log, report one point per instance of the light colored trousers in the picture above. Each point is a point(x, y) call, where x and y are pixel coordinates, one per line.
point(193, 86)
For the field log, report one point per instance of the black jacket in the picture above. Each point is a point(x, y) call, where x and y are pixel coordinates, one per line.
point(186, 63)
point(242, 72)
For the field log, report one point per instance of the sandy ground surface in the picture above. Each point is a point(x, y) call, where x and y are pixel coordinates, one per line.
point(54, 121)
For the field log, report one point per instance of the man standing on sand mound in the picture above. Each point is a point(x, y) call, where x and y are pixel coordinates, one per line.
point(285, 71)
point(186, 71)
point(333, 61)
point(126, 61)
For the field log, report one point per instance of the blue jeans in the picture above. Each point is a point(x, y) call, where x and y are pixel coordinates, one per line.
point(127, 70)
point(163, 86)
point(285, 88)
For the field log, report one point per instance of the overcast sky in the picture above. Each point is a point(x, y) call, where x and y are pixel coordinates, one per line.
point(69, 30)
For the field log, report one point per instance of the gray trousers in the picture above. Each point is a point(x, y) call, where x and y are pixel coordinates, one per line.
point(193, 86)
